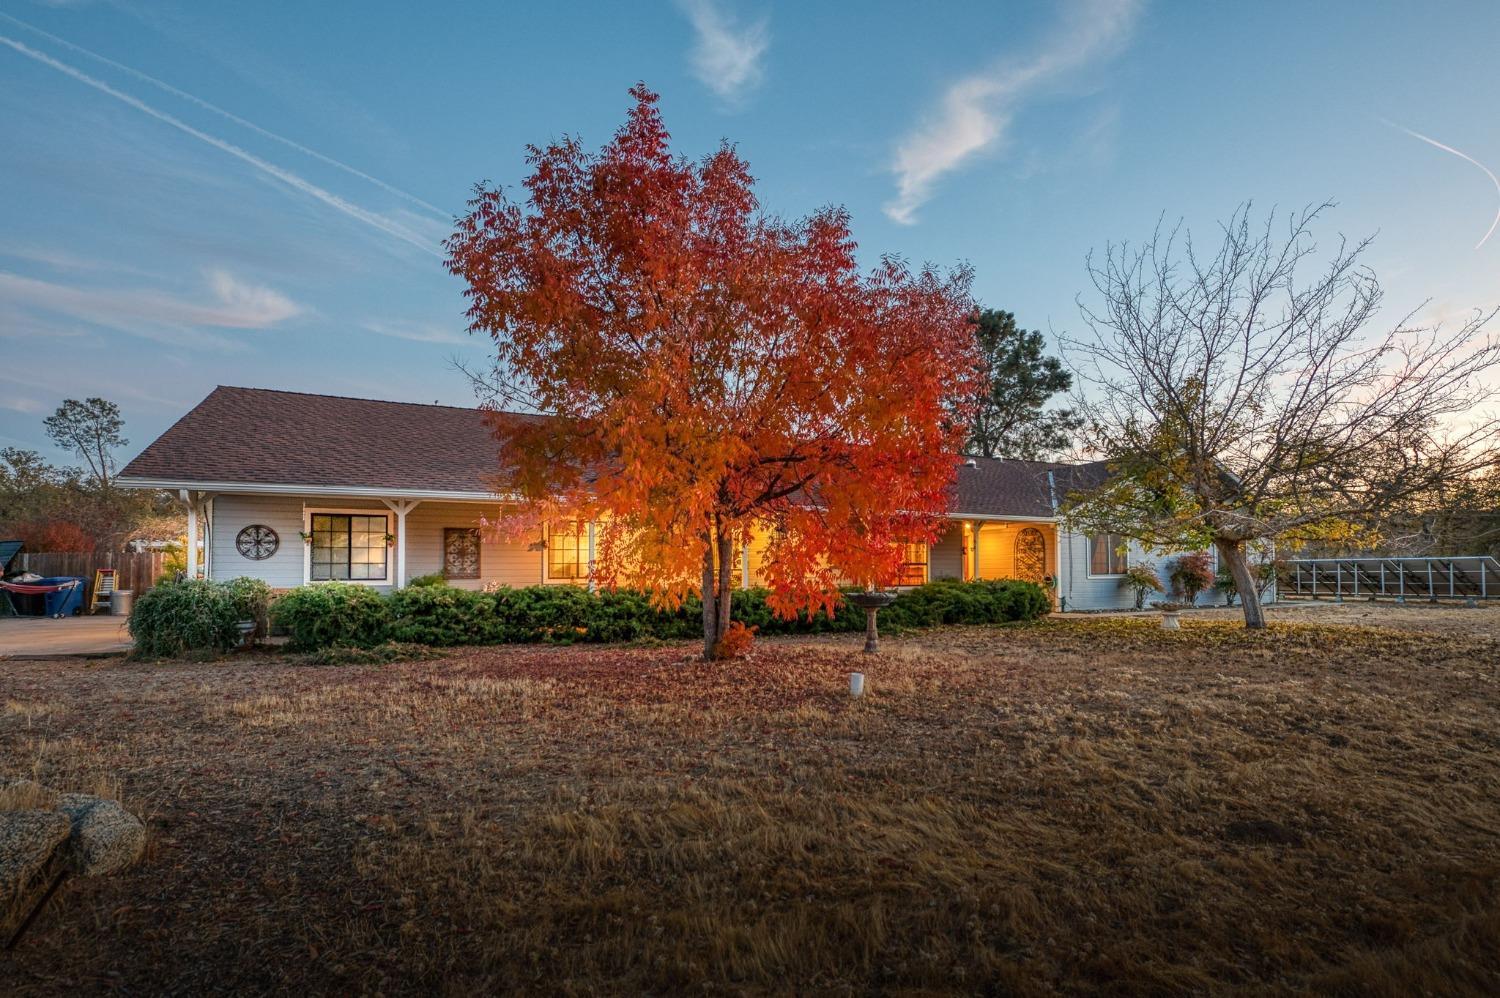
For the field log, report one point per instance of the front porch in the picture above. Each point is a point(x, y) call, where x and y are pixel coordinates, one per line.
point(291, 540)
point(995, 549)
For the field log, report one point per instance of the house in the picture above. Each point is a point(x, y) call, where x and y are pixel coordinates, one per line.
point(295, 488)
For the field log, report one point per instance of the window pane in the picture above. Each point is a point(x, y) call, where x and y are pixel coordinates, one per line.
point(1099, 554)
point(347, 546)
point(567, 550)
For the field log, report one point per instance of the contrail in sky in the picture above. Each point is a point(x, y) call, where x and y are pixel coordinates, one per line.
point(200, 102)
point(285, 176)
point(1493, 179)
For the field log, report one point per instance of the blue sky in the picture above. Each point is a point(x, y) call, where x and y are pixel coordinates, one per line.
point(152, 247)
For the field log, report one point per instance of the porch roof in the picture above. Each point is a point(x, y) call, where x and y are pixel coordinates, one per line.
point(255, 439)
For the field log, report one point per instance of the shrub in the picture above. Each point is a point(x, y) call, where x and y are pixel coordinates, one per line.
point(191, 615)
point(1191, 574)
point(252, 601)
point(734, 642)
point(951, 601)
point(752, 608)
point(381, 654)
point(430, 579)
point(1143, 579)
point(1264, 573)
point(444, 615)
point(333, 613)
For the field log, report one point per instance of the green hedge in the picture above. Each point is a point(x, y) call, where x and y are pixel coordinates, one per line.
point(333, 613)
point(336, 614)
point(193, 615)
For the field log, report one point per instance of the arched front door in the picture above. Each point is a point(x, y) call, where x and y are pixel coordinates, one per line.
point(1031, 555)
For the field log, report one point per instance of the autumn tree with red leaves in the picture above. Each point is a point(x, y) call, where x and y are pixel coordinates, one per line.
point(709, 368)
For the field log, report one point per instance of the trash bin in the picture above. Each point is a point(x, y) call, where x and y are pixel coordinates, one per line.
point(120, 602)
point(66, 600)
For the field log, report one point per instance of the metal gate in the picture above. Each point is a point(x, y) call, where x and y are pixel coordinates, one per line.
point(1469, 577)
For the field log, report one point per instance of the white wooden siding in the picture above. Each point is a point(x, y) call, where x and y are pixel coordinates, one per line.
point(511, 563)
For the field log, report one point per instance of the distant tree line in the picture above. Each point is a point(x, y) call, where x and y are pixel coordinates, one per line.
point(79, 508)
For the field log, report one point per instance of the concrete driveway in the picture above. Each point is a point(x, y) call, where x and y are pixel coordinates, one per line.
point(36, 637)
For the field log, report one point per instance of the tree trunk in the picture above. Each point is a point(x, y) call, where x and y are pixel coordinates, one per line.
point(710, 608)
point(1232, 556)
point(726, 581)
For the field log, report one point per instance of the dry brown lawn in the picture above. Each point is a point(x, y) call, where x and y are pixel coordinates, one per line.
point(1078, 806)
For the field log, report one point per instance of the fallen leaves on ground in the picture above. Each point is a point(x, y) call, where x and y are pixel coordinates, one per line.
point(1091, 805)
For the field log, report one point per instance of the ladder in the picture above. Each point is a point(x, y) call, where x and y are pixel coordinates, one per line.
point(104, 587)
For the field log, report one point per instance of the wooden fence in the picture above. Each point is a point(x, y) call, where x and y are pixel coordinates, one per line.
point(137, 571)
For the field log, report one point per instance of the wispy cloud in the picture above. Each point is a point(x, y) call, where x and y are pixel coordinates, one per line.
point(229, 116)
point(418, 332)
point(287, 177)
point(1464, 156)
point(727, 54)
point(157, 315)
point(976, 112)
point(20, 403)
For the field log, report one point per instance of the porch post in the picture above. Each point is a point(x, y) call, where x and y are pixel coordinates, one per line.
point(401, 507)
point(591, 556)
point(191, 502)
point(745, 562)
point(974, 540)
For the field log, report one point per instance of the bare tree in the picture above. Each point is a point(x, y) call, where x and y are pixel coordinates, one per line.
point(90, 429)
point(1241, 398)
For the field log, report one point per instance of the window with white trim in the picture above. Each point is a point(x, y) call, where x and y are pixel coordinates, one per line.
point(349, 547)
point(1107, 554)
point(568, 550)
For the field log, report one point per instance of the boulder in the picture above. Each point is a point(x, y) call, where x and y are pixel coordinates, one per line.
point(106, 838)
point(29, 862)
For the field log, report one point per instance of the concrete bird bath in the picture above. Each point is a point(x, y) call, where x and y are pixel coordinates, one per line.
point(871, 602)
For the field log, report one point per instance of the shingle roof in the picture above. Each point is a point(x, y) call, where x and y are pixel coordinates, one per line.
point(256, 436)
point(1006, 487)
point(264, 437)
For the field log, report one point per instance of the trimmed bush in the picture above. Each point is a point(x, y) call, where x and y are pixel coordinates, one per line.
point(443, 615)
point(430, 579)
point(336, 614)
point(333, 613)
point(950, 601)
point(192, 615)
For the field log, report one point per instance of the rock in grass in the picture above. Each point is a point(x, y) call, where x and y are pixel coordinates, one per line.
point(29, 844)
point(106, 838)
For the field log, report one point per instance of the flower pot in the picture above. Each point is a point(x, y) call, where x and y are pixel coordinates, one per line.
point(247, 632)
point(1169, 620)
